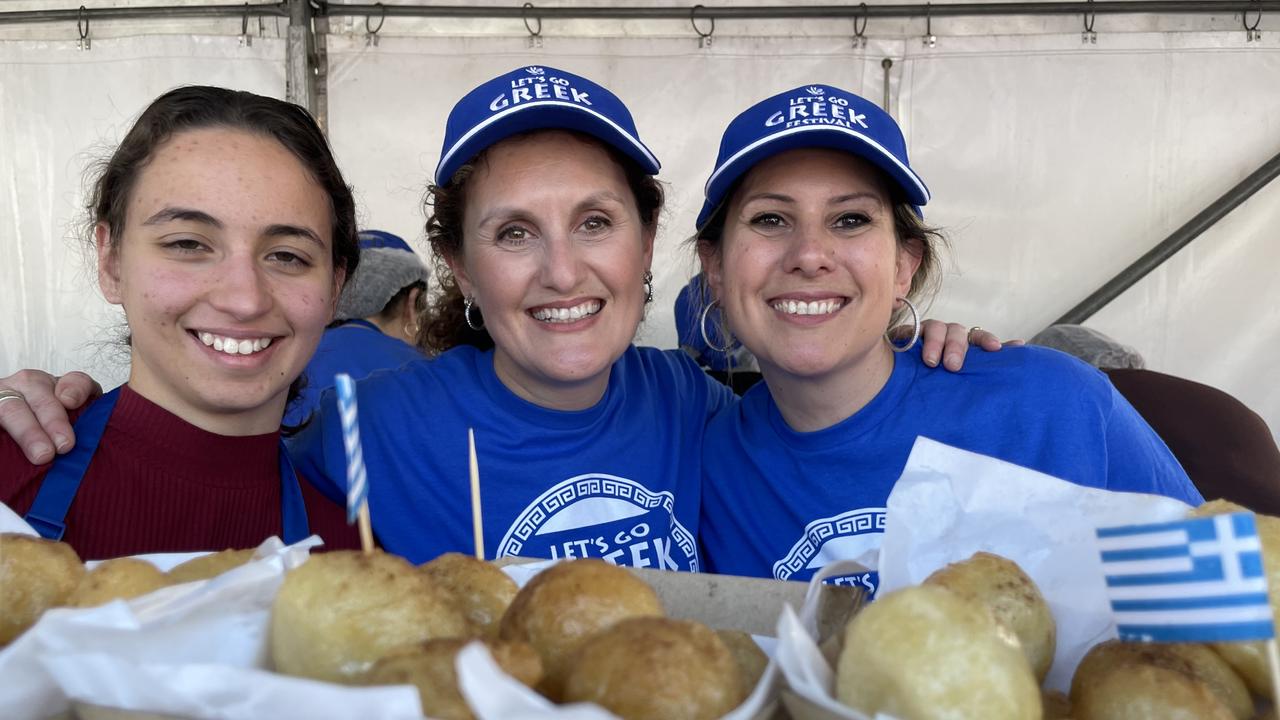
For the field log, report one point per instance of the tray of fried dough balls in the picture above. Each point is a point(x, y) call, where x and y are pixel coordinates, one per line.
point(343, 634)
point(976, 639)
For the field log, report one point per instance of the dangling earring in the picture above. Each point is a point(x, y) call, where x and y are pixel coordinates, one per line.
point(706, 337)
point(411, 329)
point(648, 287)
point(915, 329)
point(466, 314)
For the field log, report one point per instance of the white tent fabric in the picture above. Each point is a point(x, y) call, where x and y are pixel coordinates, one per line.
point(1052, 164)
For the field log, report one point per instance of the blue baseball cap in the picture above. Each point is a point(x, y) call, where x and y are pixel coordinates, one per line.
point(536, 98)
point(811, 116)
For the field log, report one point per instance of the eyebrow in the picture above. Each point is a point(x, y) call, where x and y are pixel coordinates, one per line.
point(181, 214)
point(505, 212)
point(833, 201)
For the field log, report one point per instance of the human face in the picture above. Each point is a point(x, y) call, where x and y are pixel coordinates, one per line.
point(225, 271)
point(554, 253)
point(809, 266)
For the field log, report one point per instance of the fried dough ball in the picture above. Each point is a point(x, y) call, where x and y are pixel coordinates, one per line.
point(35, 575)
point(482, 590)
point(209, 566)
point(1147, 692)
point(925, 653)
point(1191, 664)
point(1013, 599)
point(117, 579)
point(654, 668)
point(341, 611)
point(1250, 658)
point(568, 602)
point(1056, 704)
point(747, 653)
point(429, 666)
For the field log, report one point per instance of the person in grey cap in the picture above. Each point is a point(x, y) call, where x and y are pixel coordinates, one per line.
point(1226, 448)
point(376, 322)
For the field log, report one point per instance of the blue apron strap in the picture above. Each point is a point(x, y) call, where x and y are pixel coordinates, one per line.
point(293, 510)
point(48, 512)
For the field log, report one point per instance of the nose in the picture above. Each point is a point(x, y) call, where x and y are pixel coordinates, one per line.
point(562, 266)
point(810, 251)
point(241, 288)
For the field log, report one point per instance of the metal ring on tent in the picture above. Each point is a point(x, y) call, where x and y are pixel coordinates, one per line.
point(860, 30)
point(1244, 19)
point(524, 15)
point(693, 20)
point(82, 22)
point(381, 19)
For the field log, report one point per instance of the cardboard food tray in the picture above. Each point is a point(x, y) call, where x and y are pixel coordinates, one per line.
point(726, 602)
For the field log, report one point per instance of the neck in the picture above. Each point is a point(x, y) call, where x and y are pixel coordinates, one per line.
point(259, 420)
point(811, 403)
point(573, 395)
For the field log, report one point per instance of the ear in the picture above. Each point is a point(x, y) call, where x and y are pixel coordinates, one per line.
point(712, 268)
point(909, 258)
point(409, 312)
point(108, 264)
point(459, 270)
point(339, 280)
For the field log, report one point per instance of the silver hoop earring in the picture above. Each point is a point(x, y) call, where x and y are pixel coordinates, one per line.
point(648, 287)
point(915, 329)
point(706, 337)
point(466, 314)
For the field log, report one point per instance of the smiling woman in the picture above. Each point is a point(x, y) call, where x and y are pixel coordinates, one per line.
point(224, 230)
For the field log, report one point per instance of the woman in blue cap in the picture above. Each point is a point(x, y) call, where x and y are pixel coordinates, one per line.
point(545, 209)
point(813, 241)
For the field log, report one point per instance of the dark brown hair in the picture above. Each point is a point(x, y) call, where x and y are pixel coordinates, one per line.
point(445, 326)
point(198, 106)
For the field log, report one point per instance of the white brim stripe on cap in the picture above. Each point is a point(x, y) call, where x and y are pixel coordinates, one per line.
point(635, 142)
point(924, 191)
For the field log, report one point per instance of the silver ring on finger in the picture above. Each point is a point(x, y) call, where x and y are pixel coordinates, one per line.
point(969, 337)
point(11, 395)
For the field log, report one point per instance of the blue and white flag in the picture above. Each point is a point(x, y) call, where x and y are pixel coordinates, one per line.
point(1197, 580)
point(357, 483)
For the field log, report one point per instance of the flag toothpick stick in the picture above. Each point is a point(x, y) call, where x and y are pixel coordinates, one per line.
point(357, 477)
point(477, 522)
point(1273, 662)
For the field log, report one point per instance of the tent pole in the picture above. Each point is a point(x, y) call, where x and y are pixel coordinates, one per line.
point(1169, 246)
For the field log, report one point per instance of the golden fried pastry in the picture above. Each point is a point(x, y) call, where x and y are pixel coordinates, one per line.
point(482, 590)
point(1057, 706)
point(429, 666)
point(568, 602)
point(926, 653)
point(1147, 692)
point(1013, 599)
point(211, 565)
point(1250, 658)
point(341, 611)
point(654, 668)
point(35, 575)
point(118, 579)
point(1192, 664)
point(747, 653)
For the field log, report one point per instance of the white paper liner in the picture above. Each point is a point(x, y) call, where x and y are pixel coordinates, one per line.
point(199, 650)
point(978, 503)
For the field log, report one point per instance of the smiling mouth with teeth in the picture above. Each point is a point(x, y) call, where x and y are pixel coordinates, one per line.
point(800, 307)
point(234, 346)
point(567, 315)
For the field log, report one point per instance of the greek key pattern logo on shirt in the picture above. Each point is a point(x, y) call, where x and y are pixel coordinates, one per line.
point(603, 516)
point(841, 537)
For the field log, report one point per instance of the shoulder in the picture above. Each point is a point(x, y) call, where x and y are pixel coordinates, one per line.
point(1028, 366)
point(673, 374)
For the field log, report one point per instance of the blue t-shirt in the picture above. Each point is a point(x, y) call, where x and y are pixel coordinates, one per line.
point(620, 480)
point(780, 503)
point(356, 348)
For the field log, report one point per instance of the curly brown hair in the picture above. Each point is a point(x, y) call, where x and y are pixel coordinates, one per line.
point(444, 325)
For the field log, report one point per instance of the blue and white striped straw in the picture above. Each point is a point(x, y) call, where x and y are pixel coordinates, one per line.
point(357, 482)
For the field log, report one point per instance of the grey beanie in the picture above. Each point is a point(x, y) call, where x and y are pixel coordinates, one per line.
point(387, 266)
point(1085, 343)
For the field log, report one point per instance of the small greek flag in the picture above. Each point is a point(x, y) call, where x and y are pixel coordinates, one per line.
point(357, 483)
point(1197, 580)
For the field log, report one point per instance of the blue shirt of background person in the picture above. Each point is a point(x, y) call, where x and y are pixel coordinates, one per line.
point(376, 321)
